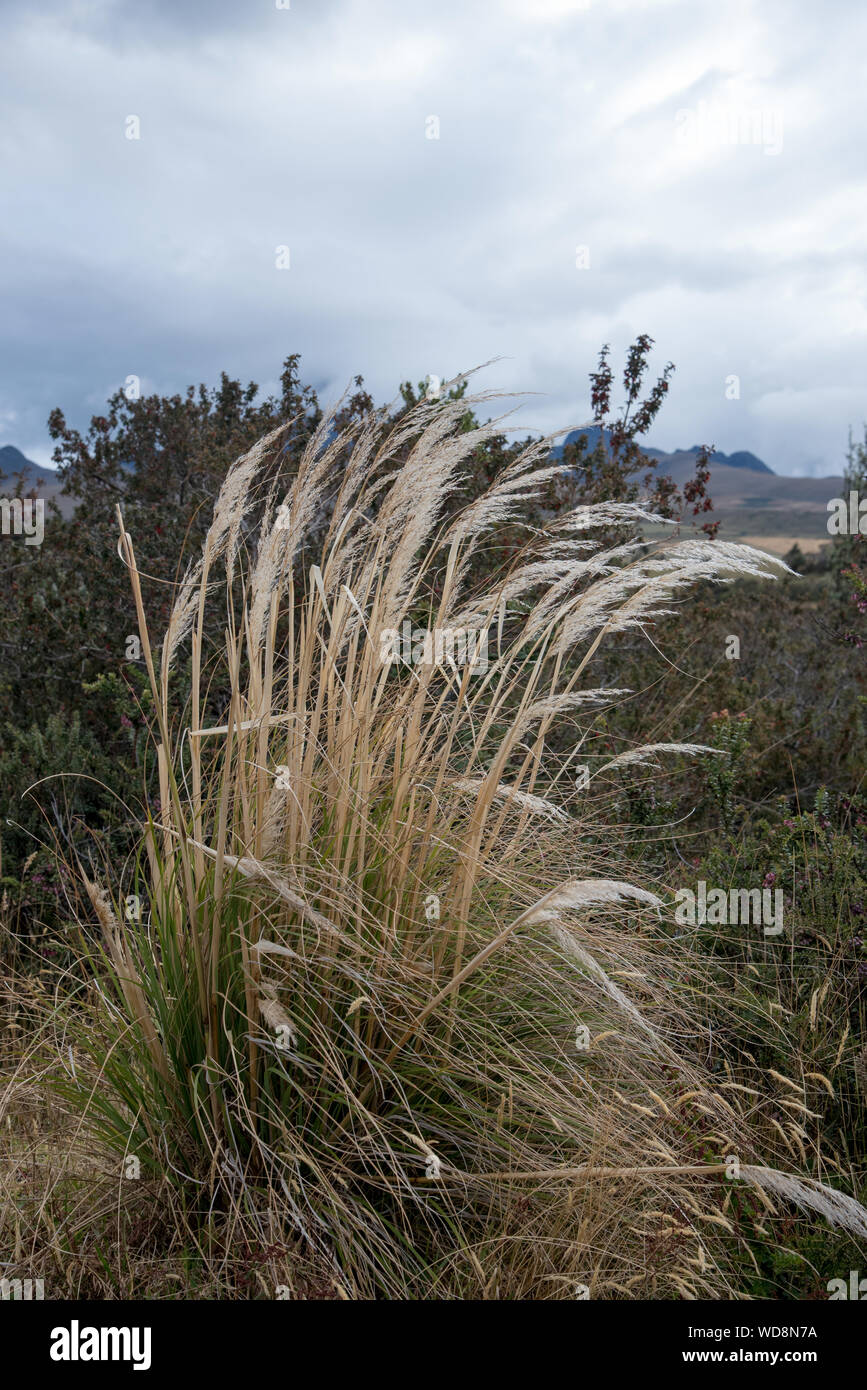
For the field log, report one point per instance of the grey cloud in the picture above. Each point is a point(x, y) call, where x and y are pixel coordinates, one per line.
point(307, 128)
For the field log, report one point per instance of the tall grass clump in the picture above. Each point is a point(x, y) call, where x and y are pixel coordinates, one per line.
point(376, 996)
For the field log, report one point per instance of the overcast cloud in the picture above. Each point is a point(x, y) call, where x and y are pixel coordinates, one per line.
point(709, 156)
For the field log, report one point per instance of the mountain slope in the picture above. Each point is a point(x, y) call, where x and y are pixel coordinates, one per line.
point(13, 463)
point(741, 459)
point(749, 498)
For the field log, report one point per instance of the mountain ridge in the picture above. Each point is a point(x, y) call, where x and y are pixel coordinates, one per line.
point(12, 461)
point(749, 498)
point(741, 458)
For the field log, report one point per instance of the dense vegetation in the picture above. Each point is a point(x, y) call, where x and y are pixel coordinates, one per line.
point(781, 806)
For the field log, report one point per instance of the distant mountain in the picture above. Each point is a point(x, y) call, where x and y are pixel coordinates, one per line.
point(750, 499)
point(742, 459)
point(13, 461)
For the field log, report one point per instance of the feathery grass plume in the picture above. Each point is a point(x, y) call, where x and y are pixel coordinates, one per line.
point(585, 518)
point(221, 540)
point(537, 804)
point(647, 754)
point(579, 893)
point(838, 1208)
point(550, 707)
point(273, 1013)
point(385, 860)
point(507, 497)
point(574, 895)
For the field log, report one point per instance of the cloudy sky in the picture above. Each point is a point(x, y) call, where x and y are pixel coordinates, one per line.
point(454, 181)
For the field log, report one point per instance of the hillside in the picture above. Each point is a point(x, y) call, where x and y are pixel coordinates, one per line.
point(754, 505)
point(750, 500)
